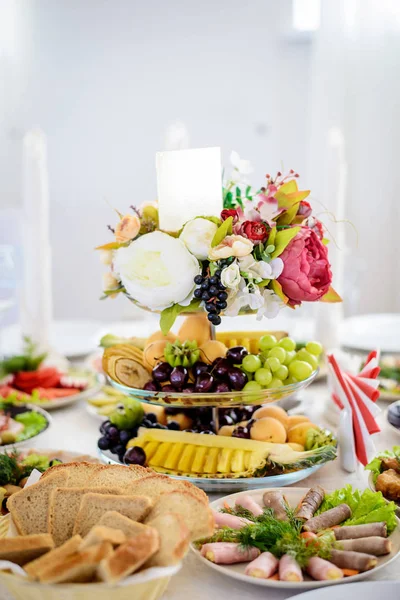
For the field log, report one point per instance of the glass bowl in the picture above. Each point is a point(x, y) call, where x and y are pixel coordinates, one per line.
point(225, 399)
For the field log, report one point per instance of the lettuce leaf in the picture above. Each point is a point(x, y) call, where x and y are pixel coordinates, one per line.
point(366, 507)
point(33, 422)
point(375, 464)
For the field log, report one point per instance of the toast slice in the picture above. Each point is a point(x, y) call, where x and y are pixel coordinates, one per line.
point(155, 485)
point(64, 507)
point(100, 533)
point(25, 548)
point(29, 508)
point(93, 507)
point(34, 567)
point(174, 540)
point(197, 516)
point(117, 521)
point(129, 557)
point(118, 476)
point(78, 472)
point(79, 567)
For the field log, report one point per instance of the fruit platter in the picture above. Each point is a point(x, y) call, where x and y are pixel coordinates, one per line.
point(301, 538)
point(27, 379)
point(19, 423)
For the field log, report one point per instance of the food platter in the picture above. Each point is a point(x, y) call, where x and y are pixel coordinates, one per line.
point(30, 408)
point(294, 496)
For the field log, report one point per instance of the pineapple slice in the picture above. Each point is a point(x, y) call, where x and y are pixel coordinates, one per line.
point(199, 459)
point(173, 456)
point(224, 460)
point(150, 449)
point(237, 461)
point(211, 462)
point(159, 457)
point(186, 459)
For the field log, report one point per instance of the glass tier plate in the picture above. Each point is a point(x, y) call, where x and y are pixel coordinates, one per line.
point(216, 485)
point(226, 399)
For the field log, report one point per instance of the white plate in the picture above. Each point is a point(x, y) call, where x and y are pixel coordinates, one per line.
point(392, 427)
point(37, 409)
point(352, 591)
point(367, 332)
point(294, 496)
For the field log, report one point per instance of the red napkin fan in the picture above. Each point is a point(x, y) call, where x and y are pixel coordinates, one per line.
point(355, 396)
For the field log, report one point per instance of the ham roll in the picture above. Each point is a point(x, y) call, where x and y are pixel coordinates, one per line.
point(378, 546)
point(276, 501)
point(310, 503)
point(323, 570)
point(263, 566)
point(228, 553)
point(353, 560)
point(353, 532)
point(248, 503)
point(331, 517)
point(289, 569)
point(231, 521)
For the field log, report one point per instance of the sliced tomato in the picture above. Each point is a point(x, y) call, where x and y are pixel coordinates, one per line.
point(53, 393)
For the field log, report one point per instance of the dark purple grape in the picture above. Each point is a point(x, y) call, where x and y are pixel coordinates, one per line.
point(199, 367)
point(152, 386)
point(198, 293)
point(204, 383)
point(221, 304)
point(104, 426)
point(222, 296)
point(151, 417)
point(103, 443)
point(158, 426)
point(236, 355)
point(213, 290)
point(135, 456)
point(221, 388)
point(205, 285)
point(172, 411)
point(119, 449)
point(168, 388)
point(198, 279)
point(214, 280)
point(214, 319)
point(210, 307)
point(146, 422)
point(221, 368)
point(188, 388)
point(125, 436)
point(226, 420)
point(162, 372)
point(237, 378)
point(179, 376)
point(173, 425)
point(205, 296)
point(207, 432)
point(113, 434)
point(241, 432)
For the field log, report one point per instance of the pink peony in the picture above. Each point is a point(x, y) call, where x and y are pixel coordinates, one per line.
point(306, 274)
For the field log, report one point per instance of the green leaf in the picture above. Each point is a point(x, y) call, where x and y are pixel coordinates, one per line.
point(169, 315)
point(228, 200)
point(112, 246)
point(222, 231)
point(287, 217)
point(325, 241)
point(331, 296)
point(271, 237)
point(215, 220)
point(248, 190)
point(283, 239)
point(277, 288)
point(263, 283)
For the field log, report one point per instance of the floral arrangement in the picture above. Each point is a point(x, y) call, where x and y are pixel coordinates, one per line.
point(265, 251)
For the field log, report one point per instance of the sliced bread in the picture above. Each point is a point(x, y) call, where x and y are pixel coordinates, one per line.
point(117, 521)
point(36, 566)
point(174, 540)
point(29, 508)
point(93, 507)
point(78, 472)
point(197, 516)
point(64, 507)
point(117, 476)
point(25, 548)
point(155, 485)
point(79, 567)
point(100, 533)
point(129, 557)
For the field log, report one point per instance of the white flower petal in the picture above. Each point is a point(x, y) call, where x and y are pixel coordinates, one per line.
point(235, 159)
point(277, 267)
point(197, 236)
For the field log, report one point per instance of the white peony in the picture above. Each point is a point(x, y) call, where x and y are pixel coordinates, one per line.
point(197, 236)
point(157, 270)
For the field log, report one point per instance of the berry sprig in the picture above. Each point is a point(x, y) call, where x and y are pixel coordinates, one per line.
point(212, 291)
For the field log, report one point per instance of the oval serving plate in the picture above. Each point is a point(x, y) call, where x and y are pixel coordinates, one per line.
point(32, 408)
point(294, 496)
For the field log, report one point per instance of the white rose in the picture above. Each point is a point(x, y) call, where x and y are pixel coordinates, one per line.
point(197, 236)
point(157, 270)
point(230, 276)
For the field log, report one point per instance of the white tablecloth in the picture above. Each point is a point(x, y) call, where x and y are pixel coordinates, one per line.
point(76, 430)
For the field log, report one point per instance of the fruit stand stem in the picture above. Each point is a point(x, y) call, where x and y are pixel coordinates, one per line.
point(215, 410)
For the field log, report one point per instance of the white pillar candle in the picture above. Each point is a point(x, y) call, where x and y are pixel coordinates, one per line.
point(189, 184)
point(36, 293)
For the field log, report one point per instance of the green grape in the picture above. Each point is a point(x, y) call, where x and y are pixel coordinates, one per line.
point(267, 341)
point(252, 386)
point(251, 363)
point(307, 357)
point(300, 369)
point(263, 376)
point(273, 363)
point(279, 353)
point(282, 373)
point(314, 348)
point(287, 344)
point(290, 380)
point(275, 383)
point(289, 357)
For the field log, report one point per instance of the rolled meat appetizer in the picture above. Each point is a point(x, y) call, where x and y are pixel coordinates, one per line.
point(378, 546)
point(331, 517)
point(228, 553)
point(248, 503)
point(276, 501)
point(352, 532)
point(231, 521)
point(263, 566)
point(310, 503)
point(353, 560)
point(289, 569)
point(323, 570)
